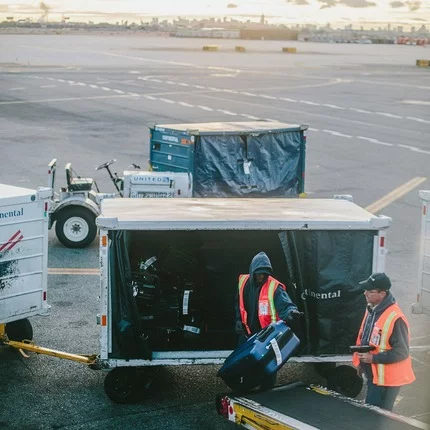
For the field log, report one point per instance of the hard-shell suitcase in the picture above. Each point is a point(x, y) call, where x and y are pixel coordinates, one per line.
point(259, 358)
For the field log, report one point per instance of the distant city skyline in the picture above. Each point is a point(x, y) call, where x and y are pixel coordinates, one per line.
point(410, 12)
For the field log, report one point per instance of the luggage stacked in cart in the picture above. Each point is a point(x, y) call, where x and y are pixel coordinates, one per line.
point(168, 296)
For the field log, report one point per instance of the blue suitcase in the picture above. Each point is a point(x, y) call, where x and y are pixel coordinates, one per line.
point(259, 358)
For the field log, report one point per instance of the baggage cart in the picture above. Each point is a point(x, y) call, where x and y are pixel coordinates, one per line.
point(169, 273)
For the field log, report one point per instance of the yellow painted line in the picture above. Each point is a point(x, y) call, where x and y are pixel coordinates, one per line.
point(67, 99)
point(72, 271)
point(396, 194)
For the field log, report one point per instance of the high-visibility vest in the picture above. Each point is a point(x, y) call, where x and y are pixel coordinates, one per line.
point(266, 304)
point(393, 374)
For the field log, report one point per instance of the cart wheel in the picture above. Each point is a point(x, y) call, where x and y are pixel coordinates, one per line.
point(76, 227)
point(345, 380)
point(122, 385)
point(19, 330)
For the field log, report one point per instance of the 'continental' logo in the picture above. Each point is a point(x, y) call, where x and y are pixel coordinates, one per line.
point(320, 296)
point(12, 214)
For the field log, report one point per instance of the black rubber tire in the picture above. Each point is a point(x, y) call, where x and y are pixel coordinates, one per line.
point(86, 217)
point(122, 385)
point(19, 330)
point(345, 380)
point(324, 369)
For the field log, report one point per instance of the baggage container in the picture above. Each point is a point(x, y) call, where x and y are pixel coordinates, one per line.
point(422, 304)
point(319, 248)
point(259, 358)
point(23, 255)
point(233, 159)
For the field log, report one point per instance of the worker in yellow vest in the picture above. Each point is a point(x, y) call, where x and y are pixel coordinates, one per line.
point(385, 328)
point(262, 299)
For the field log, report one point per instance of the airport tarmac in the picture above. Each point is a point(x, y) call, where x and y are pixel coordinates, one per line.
point(88, 99)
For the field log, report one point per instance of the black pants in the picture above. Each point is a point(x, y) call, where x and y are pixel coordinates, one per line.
point(383, 397)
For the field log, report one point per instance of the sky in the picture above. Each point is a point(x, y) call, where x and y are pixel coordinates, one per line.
point(276, 11)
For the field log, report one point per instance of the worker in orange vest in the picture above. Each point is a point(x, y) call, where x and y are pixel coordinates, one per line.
point(261, 299)
point(385, 328)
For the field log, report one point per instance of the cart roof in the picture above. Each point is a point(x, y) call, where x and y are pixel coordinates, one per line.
point(14, 195)
point(245, 127)
point(237, 214)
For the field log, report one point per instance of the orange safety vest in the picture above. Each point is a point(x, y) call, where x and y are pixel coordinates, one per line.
point(266, 304)
point(393, 374)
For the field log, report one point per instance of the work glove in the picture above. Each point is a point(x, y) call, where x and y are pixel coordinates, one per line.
point(295, 316)
point(238, 328)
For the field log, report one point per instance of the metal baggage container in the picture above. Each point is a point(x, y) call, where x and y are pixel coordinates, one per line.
point(260, 357)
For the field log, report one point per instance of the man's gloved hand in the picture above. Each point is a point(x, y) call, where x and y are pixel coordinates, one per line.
point(295, 316)
point(238, 328)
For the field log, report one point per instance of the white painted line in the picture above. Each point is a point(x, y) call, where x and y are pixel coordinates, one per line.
point(286, 99)
point(134, 94)
point(167, 101)
point(186, 104)
point(389, 115)
point(420, 348)
point(201, 87)
point(309, 103)
point(313, 129)
point(61, 80)
point(250, 116)
point(372, 140)
point(106, 89)
point(334, 106)
point(157, 80)
point(65, 99)
point(205, 108)
point(416, 102)
point(82, 84)
point(271, 120)
point(227, 112)
point(413, 149)
point(248, 94)
point(183, 84)
point(336, 133)
point(360, 110)
point(119, 91)
point(143, 78)
point(264, 96)
point(171, 82)
point(413, 118)
point(16, 89)
point(150, 97)
point(93, 86)
point(134, 72)
point(228, 91)
point(70, 82)
point(50, 79)
point(214, 89)
point(394, 195)
point(48, 86)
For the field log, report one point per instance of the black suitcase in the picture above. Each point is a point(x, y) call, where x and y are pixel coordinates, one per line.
point(259, 358)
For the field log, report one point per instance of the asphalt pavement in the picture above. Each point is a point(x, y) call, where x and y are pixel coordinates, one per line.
point(86, 99)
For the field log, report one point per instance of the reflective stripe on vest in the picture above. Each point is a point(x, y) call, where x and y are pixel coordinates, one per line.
point(243, 313)
point(270, 297)
point(383, 345)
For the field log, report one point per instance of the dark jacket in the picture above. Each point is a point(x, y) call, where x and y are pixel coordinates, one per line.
point(399, 339)
point(251, 294)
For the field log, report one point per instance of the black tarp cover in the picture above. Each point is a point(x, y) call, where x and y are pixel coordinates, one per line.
point(253, 165)
point(328, 268)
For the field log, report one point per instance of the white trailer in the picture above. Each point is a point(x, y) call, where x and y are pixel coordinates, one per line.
point(422, 304)
point(343, 241)
point(24, 215)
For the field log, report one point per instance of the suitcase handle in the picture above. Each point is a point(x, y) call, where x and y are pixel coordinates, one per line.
point(263, 335)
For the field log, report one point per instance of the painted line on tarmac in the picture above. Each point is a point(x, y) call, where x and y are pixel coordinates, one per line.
point(72, 271)
point(396, 194)
point(416, 102)
point(66, 99)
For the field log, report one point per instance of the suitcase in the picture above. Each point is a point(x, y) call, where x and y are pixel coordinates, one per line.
point(259, 358)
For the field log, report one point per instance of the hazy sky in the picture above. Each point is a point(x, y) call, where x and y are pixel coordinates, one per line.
point(320, 11)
